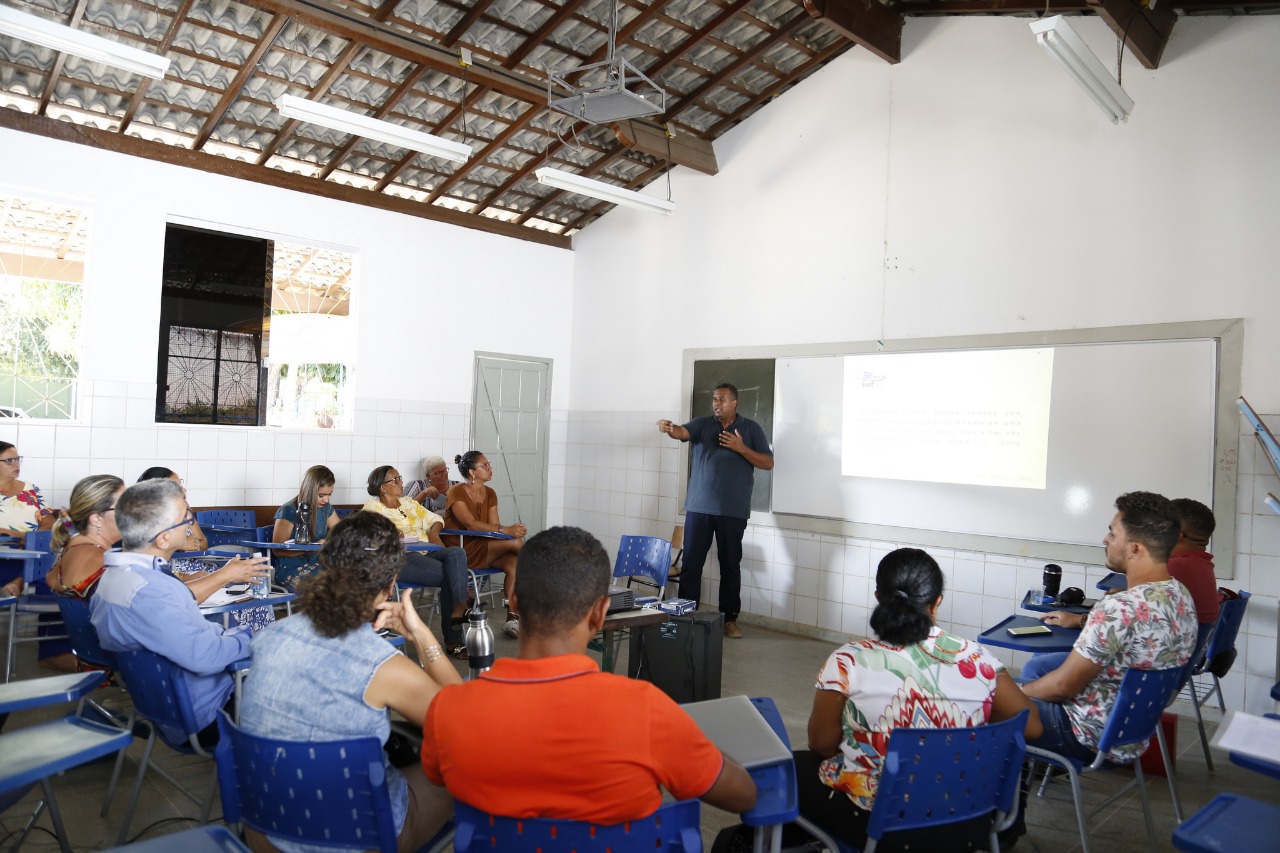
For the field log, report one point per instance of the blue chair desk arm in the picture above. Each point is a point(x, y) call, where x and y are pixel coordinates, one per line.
point(202, 839)
point(777, 797)
point(1229, 822)
point(483, 534)
point(38, 692)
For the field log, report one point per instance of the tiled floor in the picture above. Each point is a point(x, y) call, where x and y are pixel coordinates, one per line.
point(762, 663)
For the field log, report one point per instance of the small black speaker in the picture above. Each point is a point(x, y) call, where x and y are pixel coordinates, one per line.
point(681, 656)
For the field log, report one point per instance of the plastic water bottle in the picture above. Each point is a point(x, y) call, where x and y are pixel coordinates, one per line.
point(479, 641)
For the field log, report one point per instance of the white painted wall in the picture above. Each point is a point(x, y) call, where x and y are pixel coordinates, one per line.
point(415, 278)
point(971, 189)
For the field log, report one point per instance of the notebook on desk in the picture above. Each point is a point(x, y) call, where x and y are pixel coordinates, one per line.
point(734, 725)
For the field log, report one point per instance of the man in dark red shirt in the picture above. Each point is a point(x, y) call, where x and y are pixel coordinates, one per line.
point(1190, 564)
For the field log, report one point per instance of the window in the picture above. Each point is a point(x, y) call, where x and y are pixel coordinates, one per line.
point(213, 301)
point(312, 338)
point(42, 256)
point(254, 331)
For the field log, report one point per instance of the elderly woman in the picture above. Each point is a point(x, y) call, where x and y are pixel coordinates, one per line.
point(325, 674)
point(912, 674)
point(22, 507)
point(446, 569)
point(474, 506)
point(433, 490)
point(316, 491)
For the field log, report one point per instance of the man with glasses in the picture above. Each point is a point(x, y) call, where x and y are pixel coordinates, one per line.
point(139, 605)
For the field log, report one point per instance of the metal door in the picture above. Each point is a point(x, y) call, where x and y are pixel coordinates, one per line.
point(510, 424)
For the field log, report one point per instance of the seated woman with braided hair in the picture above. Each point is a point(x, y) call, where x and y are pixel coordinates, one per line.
point(912, 674)
point(325, 674)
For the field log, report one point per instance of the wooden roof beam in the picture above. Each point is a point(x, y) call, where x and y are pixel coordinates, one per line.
point(213, 164)
point(51, 84)
point(680, 148)
point(868, 23)
point(328, 79)
point(410, 80)
point(233, 89)
point(460, 29)
point(144, 84)
point(1145, 31)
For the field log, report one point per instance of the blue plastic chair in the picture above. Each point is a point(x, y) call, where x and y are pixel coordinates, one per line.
point(1221, 652)
point(1230, 822)
point(644, 558)
point(673, 827)
point(481, 579)
point(240, 518)
point(84, 638)
point(40, 603)
point(1143, 696)
point(37, 753)
point(160, 696)
point(322, 792)
point(934, 777)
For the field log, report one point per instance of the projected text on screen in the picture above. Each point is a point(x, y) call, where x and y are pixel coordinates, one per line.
point(978, 417)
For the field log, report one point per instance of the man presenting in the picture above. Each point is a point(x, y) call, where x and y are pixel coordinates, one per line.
point(726, 451)
point(139, 605)
point(557, 751)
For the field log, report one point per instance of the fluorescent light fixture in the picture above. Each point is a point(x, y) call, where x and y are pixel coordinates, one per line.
point(1062, 43)
point(66, 39)
point(334, 118)
point(605, 192)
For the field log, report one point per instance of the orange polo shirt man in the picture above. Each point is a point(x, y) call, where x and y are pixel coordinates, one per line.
point(546, 734)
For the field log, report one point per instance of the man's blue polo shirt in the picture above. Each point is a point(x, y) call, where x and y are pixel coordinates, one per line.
point(721, 480)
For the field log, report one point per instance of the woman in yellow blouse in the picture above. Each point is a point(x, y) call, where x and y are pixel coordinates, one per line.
point(446, 569)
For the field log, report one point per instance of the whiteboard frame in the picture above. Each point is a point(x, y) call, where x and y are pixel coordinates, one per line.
point(1228, 334)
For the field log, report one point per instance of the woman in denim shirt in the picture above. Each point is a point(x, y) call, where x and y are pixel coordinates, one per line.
point(325, 674)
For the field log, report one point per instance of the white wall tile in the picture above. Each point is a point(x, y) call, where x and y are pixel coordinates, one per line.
point(260, 446)
point(109, 411)
point(72, 441)
point(106, 444)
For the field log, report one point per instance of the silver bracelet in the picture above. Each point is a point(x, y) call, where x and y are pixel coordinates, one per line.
point(432, 655)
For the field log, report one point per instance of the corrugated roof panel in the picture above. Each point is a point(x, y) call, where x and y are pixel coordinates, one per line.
point(231, 18)
point(168, 118)
point(437, 17)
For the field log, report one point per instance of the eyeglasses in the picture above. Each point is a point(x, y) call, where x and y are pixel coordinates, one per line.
point(14, 460)
point(188, 521)
point(396, 480)
point(485, 465)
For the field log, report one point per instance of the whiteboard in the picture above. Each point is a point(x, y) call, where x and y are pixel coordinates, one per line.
point(1124, 417)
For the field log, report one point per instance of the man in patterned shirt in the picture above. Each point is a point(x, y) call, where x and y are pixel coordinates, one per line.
point(1150, 625)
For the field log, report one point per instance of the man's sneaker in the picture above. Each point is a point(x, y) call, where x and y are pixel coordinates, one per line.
point(732, 631)
point(511, 628)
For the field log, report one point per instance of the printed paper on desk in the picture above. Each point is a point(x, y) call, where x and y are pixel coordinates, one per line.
point(225, 596)
point(1258, 737)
